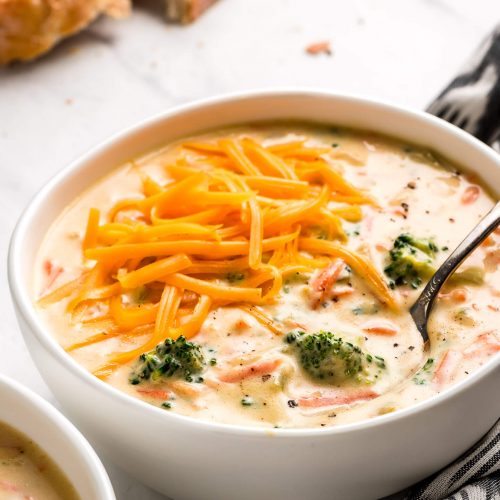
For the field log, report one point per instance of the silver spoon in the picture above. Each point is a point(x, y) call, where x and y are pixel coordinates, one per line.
point(421, 310)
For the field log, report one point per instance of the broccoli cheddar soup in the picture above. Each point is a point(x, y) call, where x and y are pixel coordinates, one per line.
point(26, 472)
point(263, 276)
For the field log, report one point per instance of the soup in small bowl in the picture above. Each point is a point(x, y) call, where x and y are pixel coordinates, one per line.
point(42, 456)
point(26, 471)
point(229, 285)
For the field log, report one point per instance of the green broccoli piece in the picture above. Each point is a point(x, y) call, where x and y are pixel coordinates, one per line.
point(410, 261)
point(172, 357)
point(327, 357)
point(472, 275)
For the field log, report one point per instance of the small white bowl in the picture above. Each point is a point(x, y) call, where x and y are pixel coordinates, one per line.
point(28, 413)
point(192, 459)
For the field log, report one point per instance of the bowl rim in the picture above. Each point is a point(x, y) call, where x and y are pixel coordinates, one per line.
point(72, 436)
point(24, 305)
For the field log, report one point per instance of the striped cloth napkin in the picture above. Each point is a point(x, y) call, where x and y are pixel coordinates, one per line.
point(472, 102)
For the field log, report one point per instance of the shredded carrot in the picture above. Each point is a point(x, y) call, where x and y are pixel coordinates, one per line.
point(155, 393)
point(457, 295)
point(324, 281)
point(486, 344)
point(245, 372)
point(186, 389)
point(358, 263)
point(380, 327)
point(446, 367)
point(337, 398)
point(470, 195)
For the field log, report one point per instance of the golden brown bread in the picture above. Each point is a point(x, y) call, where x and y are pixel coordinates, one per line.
point(186, 11)
point(30, 27)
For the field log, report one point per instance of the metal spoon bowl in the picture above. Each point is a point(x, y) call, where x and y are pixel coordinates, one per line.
point(421, 309)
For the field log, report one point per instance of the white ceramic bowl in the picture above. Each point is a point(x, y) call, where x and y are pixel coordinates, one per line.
point(30, 414)
point(192, 459)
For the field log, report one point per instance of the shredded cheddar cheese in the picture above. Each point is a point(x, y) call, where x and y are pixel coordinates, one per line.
point(234, 220)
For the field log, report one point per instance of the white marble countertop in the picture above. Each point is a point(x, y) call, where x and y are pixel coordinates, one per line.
point(118, 73)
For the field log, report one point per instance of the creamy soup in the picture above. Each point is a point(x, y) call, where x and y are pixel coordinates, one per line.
point(27, 473)
point(263, 275)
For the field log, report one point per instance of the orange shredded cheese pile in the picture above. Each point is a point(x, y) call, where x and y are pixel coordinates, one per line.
point(234, 219)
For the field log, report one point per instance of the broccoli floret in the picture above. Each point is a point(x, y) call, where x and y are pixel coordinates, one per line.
point(327, 357)
point(172, 357)
point(410, 261)
point(472, 275)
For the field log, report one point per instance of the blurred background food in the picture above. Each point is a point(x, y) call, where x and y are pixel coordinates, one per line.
point(186, 11)
point(28, 28)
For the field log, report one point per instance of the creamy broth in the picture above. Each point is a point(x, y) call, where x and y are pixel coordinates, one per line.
point(26, 472)
point(253, 376)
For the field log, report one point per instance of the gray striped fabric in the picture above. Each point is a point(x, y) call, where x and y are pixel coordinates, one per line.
point(473, 476)
point(471, 101)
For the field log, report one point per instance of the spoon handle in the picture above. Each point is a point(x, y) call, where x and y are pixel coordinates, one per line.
point(421, 310)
